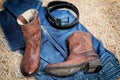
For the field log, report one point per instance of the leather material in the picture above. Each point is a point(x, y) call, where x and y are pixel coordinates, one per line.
point(82, 56)
point(56, 22)
point(54, 48)
point(32, 33)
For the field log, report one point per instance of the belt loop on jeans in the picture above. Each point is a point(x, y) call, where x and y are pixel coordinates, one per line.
point(56, 22)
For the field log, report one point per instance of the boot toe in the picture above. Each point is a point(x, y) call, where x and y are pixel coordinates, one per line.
point(27, 72)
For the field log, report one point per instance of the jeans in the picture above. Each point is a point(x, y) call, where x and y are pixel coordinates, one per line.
point(54, 44)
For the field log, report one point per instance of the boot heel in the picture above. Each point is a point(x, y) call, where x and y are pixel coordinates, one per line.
point(93, 66)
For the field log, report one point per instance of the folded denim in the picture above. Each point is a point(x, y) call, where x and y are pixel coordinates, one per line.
point(13, 32)
point(17, 7)
point(54, 47)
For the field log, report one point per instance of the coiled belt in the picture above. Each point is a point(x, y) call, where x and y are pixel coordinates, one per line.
point(56, 22)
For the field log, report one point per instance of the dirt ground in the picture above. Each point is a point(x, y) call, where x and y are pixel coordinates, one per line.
point(101, 17)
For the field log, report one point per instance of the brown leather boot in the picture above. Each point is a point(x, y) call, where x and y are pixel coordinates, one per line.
point(30, 24)
point(82, 56)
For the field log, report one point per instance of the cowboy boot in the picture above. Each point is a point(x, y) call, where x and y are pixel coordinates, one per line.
point(82, 56)
point(30, 25)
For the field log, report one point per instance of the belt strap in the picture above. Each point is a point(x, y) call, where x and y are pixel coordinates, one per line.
point(56, 22)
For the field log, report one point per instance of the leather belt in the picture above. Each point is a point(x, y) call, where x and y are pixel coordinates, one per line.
point(56, 22)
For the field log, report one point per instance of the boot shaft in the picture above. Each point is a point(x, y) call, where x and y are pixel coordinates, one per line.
point(29, 22)
point(80, 46)
point(80, 42)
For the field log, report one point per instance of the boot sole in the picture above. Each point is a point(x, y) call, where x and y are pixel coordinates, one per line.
point(89, 67)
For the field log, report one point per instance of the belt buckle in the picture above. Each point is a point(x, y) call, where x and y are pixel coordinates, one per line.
point(62, 20)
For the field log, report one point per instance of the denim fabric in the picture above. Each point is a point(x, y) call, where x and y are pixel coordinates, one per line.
point(8, 17)
point(17, 7)
point(54, 44)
